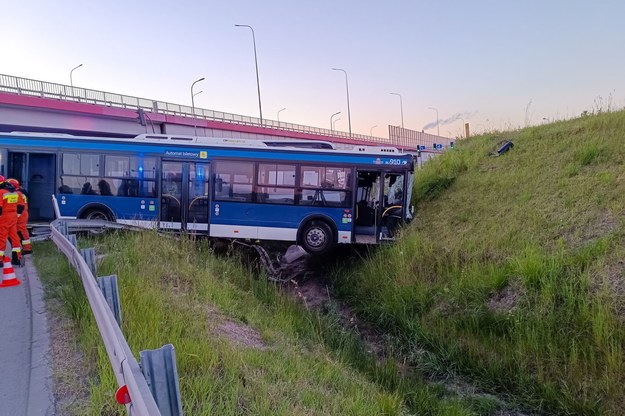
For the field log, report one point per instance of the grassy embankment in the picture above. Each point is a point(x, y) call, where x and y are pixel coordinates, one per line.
point(242, 346)
point(513, 271)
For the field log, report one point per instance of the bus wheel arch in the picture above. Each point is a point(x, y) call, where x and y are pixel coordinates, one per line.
point(317, 235)
point(96, 212)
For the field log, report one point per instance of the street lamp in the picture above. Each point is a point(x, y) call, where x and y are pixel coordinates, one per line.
point(193, 105)
point(334, 124)
point(331, 117)
point(71, 80)
point(349, 116)
point(282, 109)
point(401, 107)
point(438, 127)
point(371, 130)
point(260, 107)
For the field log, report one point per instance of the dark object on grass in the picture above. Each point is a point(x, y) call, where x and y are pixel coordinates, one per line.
point(503, 147)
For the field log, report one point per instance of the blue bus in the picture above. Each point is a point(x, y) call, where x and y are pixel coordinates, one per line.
point(303, 191)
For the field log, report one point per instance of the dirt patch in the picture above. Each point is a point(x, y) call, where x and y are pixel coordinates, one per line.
point(599, 226)
point(611, 280)
point(235, 332)
point(69, 367)
point(507, 299)
point(446, 307)
point(240, 334)
point(314, 294)
point(616, 279)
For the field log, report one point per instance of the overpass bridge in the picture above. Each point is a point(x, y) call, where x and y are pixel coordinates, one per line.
point(33, 105)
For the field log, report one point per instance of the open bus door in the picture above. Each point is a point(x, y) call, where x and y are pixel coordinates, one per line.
point(185, 188)
point(36, 174)
point(381, 199)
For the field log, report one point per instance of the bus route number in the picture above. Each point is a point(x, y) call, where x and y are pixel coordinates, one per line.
point(393, 162)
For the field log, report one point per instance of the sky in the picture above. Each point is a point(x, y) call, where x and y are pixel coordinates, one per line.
point(494, 64)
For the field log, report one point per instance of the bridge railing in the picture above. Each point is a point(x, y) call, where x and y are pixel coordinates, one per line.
point(44, 89)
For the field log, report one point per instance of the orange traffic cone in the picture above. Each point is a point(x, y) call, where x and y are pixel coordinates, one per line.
point(8, 274)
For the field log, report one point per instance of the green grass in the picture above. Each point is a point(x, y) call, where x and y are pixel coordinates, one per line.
point(511, 275)
point(542, 222)
point(178, 292)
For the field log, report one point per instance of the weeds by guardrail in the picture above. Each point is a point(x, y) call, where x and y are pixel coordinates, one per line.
point(159, 396)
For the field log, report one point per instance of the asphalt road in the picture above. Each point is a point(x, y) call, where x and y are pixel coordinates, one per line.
point(25, 360)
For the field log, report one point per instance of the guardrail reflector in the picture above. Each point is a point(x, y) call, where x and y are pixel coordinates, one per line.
point(122, 396)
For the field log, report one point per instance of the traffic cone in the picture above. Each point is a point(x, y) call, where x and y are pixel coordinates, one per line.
point(8, 274)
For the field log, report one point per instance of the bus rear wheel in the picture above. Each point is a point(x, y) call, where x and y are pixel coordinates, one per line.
point(97, 214)
point(317, 237)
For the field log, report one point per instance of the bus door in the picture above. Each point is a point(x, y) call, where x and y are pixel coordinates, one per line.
point(380, 206)
point(394, 201)
point(36, 174)
point(367, 215)
point(184, 196)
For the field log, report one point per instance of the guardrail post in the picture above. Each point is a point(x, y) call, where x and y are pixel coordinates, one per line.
point(160, 371)
point(63, 228)
point(89, 255)
point(110, 290)
point(72, 239)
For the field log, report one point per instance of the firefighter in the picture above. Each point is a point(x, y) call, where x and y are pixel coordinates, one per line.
point(9, 209)
point(22, 220)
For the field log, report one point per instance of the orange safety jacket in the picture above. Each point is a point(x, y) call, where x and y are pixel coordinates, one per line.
point(10, 204)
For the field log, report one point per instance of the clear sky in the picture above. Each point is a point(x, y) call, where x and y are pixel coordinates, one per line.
point(496, 63)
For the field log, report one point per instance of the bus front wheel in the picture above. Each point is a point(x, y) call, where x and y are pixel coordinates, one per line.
point(317, 237)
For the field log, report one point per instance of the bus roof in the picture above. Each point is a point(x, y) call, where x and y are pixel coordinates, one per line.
point(178, 139)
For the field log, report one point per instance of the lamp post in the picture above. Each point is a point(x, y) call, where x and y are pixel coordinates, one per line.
point(349, 116)
point(260, 107)
point(71, 80)
point(331, 117)
point(371, 130)
point(335, 120)
point(193, 105)
point(401, 107)
point(282, 109)
point(438, 127)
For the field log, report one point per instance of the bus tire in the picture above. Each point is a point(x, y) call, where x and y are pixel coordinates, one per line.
point(317, 237)
point(97, 214)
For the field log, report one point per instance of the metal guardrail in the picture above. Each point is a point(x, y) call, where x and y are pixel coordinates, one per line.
point(125, 366)
point(44, 89)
